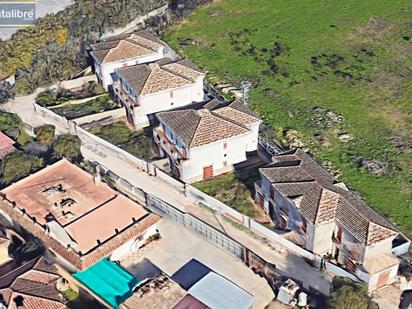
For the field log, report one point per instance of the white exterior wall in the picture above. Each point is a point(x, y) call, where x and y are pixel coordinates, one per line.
point(214, 154)
point(384, 246)
point(105, 70)
point(322, 242)
point(253, 143)
point(373, 279)
point(164, 100)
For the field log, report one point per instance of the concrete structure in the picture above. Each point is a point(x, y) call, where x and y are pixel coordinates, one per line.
point(6, 145)
point(150, 88)
point(208, 141)
point(324, 217)
point(80, 219)
point(124, 50)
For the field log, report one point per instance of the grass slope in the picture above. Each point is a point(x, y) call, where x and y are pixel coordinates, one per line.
point(350, 57)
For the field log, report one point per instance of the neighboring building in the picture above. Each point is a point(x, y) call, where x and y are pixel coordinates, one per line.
point(208, 141)
point(32, 286)
point(150, 88)
point(216, 291)
point(6, 145)
point(125, 50)
point(324, 217)
point(80, 219)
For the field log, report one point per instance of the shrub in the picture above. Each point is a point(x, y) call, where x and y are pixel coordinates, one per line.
point(30, 250)
point(348, 294)
point(18, 165)
point(46, 98)
point(67, 146)
point(45, 133)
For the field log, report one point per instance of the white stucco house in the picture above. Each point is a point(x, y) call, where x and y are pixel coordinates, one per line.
point(159, 86)
point(326, 218)
point(125, 50)
point(205, 142)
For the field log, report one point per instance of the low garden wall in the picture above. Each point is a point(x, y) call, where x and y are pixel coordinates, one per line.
point(115, 114)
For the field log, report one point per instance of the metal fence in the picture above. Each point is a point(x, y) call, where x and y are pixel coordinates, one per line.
point(187, 220)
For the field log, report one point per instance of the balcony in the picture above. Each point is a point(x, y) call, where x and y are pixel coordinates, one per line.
point(123, 95)
point(167, 146)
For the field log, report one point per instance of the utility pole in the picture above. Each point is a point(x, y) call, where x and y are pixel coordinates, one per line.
point(245, 88)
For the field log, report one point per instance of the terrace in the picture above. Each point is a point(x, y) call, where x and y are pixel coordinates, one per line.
point(66, 201)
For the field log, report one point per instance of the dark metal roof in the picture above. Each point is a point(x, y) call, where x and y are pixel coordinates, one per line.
point(190, 273)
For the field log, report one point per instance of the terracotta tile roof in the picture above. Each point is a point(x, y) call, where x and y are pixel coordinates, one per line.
point(296, 174)
point(6, 151)
point(159, 76)
point(77, 259)
point(126, 46)
point(5, 141)
point(200, 127)
point(36, 288)
point(32, 302)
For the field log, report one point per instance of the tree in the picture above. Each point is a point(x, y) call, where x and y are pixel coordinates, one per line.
point(29, 250)
point(347, 294)
point(18, 165)
point(45, 133)
point(67, 146)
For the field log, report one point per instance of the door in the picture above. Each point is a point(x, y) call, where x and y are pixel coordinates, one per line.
point(208, 172)
point(383, 279)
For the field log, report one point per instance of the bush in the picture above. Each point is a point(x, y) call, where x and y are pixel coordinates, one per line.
point(45, 133)
point(347, 294)
point(67, 146)
point(18, 165)
point(46, 98)
point(30, 250)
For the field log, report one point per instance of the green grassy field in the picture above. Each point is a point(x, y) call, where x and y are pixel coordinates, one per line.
point(350, 58)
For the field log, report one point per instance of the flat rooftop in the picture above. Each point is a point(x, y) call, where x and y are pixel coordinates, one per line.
point(78, 211)
point(161, 293)
point(62, 190)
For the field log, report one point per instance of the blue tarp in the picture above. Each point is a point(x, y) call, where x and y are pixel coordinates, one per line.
point(190, 273)
point(108, 280)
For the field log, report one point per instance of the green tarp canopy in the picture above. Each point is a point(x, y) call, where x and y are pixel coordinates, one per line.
point(108, 280)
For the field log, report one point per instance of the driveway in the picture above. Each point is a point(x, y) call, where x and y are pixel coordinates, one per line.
point(179, 245)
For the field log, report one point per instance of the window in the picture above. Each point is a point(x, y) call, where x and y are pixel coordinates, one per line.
point(171, 94)
point(225, 163)
point(124, 65)
point(225, 145)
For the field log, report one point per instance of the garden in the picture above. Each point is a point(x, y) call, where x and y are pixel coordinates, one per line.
point(137, 143)
point(236, 189)
point(74, 110)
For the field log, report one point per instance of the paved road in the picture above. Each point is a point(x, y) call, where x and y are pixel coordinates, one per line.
point(289, 264)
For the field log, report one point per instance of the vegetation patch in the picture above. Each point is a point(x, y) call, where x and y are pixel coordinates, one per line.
point(139, 144)
point(332, 78)
point(231, 189)
point(72, 111)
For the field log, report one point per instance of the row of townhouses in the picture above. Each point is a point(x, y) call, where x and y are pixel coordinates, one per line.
point(203, 138)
